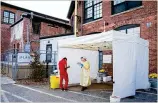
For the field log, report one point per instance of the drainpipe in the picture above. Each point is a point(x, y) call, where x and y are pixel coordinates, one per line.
point(28, 41)
point(75, 21)
point(30, 31)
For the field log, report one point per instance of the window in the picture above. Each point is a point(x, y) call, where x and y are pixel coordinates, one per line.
point(36, 27)
point(92, 10)
point(131, 29)
point(8, 17)
point(123, 5)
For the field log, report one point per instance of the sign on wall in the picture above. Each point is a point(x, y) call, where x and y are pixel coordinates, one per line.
point(24, 58)
point(27, 47)
point(107, 59)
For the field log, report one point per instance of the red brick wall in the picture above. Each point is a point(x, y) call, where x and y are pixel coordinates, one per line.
point(141, 15)
point(33, 37)
point(5, 28)
point(15, 40)
point(5, 37)
point(47, 30)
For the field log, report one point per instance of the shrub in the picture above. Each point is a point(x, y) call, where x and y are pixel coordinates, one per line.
point(38, 72)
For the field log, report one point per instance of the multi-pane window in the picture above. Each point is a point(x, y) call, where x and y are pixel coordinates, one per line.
point(123, 5)
point(98, 11)
point(89, 13)
point(93, 10)
point(88, 9)
point(8, 17)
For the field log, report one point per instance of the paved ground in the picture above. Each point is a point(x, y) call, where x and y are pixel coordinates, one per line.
point(20, 93)
point(6, 80)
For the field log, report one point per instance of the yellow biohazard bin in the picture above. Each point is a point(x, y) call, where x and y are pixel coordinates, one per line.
point(54, 81)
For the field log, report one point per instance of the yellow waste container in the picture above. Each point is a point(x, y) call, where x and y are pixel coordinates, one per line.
point(54, 82)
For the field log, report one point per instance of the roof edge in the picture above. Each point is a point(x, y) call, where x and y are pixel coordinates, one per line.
point(27, 10)
point(58, 35)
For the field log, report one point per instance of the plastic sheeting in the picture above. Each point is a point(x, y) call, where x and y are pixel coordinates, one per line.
point(124, 57)
point(73, 56)
point(142, 66)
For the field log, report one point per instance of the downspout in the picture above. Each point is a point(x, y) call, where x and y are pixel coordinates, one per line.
point(104, 26)
point(75, 21)
point(28, 37)
point(30, 31)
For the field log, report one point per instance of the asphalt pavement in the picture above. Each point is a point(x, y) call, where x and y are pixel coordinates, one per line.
point(11, 92)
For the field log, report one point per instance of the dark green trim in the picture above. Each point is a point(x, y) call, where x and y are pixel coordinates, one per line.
point(124, 6)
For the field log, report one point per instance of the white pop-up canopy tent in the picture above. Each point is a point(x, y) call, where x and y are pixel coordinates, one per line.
point(130, 59)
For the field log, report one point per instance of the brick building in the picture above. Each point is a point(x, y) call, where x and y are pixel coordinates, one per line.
point(135, 17)
point(16, 22)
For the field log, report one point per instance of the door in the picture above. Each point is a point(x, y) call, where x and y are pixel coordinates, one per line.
point(48, 53)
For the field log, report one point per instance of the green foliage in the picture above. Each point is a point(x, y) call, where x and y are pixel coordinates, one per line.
point(38, 72)
point(3, 69)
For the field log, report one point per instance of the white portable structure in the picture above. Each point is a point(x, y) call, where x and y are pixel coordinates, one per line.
point(53, 41)
point(130, 59)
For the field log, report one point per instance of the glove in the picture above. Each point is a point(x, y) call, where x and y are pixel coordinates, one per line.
point(81, 65)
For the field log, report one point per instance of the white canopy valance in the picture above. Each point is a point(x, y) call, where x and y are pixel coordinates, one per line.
point(99, 41)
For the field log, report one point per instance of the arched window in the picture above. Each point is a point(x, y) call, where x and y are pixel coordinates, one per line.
point(130, 28)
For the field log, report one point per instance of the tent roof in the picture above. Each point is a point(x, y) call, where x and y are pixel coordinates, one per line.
point(99, 41)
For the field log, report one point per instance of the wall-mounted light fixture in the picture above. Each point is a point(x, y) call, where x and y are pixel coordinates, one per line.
point(148, 24)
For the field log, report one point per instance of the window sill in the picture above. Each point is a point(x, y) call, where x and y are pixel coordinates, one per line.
point(127, 11)
point(93, 21)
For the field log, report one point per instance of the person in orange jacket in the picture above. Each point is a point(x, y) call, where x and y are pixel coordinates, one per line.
point(63, 73)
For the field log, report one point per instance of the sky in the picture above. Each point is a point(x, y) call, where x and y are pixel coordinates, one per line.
point(54, 8)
